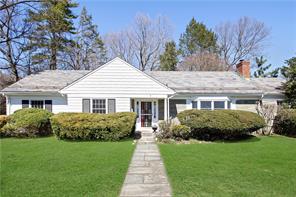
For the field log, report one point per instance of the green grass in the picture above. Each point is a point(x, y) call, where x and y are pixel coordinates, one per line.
point(50, 167)
point(264, 166)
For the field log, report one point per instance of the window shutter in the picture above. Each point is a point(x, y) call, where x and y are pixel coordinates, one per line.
point(111, 106)
point(86, 105)
point(48, 105)
point(194, 104)
point(25, 103)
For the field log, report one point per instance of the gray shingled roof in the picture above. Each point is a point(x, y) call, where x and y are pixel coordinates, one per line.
point(181, 82)
point(269, 85)
point(205, 82)
point(46, 81)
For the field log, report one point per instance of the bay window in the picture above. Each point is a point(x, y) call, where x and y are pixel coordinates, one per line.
point(211, 104)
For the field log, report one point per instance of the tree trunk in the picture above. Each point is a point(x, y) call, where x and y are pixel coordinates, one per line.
point(53, 59)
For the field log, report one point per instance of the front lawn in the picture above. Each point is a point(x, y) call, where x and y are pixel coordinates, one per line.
point(264, 166)
point(51, 167)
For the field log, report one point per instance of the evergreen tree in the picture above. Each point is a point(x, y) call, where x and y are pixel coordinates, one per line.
point(262, 69)
point(289, 72)
point(169, 59)
point(90, 46)
point(53, 23)
point(197, 38)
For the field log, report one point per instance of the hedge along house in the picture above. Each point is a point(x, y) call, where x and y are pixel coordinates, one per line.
point(157, 95)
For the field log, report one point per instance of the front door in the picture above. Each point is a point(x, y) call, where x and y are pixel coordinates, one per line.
point(146, 114)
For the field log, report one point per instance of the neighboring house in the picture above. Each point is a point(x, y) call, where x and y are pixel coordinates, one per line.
point(157, 95)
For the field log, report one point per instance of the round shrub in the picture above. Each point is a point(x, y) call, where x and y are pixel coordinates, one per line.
point(181, 131)
point(29, 122)
point(86, 126)
point(209, 125)
point(285, 122)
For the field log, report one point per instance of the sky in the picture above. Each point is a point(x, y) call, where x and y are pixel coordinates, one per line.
point(279, 16)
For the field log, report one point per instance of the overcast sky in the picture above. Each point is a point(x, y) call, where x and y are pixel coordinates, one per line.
point(279, 16)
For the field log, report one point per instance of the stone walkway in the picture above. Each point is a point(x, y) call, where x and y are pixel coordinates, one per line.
point(146, 175)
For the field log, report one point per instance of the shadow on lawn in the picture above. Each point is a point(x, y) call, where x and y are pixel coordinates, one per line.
point(240, 139)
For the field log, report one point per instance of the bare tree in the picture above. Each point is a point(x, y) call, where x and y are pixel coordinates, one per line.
point(243, 39)
point(148, 38)
point(141, 43)
point(13, 33)
point(268, 112)
point(202, 61)
point(119, 45)
point(5, 4)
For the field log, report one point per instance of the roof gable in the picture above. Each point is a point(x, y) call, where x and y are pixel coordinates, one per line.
point(117, 77)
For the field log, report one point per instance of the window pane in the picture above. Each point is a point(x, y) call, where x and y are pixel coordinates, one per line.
point(37, 104)
point(25, 103)
point(219, 104)
point(246, 101)
point(194, 104)
point(205, 104)
point(99, 106)
point(48, 105)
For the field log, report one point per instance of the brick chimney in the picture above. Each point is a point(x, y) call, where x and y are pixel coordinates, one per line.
point(243, 69)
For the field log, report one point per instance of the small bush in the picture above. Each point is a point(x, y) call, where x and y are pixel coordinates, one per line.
point(165, 129)
point(211, 125)
point(85, 126)
point(171, 130)
point(285, 122)
point(181, 131)
point(29, 122)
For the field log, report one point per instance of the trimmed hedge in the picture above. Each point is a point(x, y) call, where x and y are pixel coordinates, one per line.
point(285, 122)
point(86, 126)
point(209, 125)
point(29, 122)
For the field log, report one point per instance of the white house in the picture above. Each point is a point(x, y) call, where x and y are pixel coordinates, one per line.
point(157, 95)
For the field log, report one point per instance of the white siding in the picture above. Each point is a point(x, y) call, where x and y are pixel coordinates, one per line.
point(123, 104)
point(118, 79)
point(59, 103)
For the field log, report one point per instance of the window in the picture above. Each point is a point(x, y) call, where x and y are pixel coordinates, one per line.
point(194, 104)
point(206, 105)
point(99, 106)
point(37, 104)
point(246, 102)
point(211, 104)
point(48, 105)
point(25, 103)
point(279, 102)
point(219, 104)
